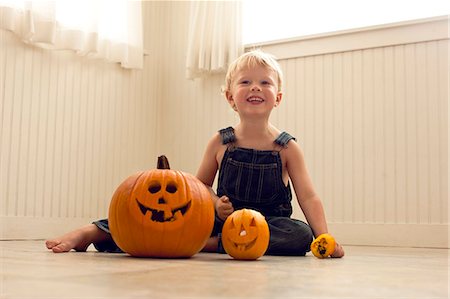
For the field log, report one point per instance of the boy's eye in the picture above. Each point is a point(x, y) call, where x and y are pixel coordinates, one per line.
point(265, 82)
point(245, 82)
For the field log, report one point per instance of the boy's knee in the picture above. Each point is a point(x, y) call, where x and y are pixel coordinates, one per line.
point(289, 237)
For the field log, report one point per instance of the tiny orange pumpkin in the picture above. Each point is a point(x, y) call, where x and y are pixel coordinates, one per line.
point(161, 213)
point(323, 246)
point(245, 235)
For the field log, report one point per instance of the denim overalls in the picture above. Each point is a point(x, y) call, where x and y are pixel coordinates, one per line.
point(253, 179)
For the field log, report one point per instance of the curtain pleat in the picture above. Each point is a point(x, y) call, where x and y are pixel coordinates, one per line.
point(37, 23)
point(215, 38)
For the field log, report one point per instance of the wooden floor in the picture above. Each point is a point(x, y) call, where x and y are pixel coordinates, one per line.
point(29, 270)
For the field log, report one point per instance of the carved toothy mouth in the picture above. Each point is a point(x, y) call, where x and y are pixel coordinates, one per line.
point(158, 215)
point(243, 246)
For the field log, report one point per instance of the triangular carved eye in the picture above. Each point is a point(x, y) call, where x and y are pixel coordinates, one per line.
point(171, 188)
point(154, 188)
point(232, 222)
point(253, 222)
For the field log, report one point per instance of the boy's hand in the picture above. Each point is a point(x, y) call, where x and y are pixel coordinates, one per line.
point(338, 251)
point(224, 208)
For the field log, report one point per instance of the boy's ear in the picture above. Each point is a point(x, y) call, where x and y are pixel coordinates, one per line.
point(229, 97)
point(230, 100)
point(279, 97)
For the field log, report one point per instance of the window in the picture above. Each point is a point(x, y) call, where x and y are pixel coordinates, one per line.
point(107, 29)
point(266, 20)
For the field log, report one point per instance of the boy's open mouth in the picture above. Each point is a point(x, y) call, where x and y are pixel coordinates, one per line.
point(255, 100)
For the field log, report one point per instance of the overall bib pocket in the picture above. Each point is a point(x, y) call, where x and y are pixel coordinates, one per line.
point(251, 183)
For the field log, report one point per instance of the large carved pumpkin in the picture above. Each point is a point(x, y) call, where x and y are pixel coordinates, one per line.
point(161, 213)
point(245, 235)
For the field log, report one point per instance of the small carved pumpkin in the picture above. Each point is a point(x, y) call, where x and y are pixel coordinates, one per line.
point(323, 246)
point(245, 235)
point(161, 213)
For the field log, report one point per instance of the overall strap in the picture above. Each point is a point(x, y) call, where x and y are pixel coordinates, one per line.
point(227, 135)
point(283, 139)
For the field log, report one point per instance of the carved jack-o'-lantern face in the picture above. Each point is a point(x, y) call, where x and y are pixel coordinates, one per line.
point(160, 210)
point(323, 246)
point(245, 234)
point(164, 198)
point(161, 213)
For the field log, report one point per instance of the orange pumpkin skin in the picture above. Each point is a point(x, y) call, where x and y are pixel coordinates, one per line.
point(323, 246)
point(245, 235)
point(161, 213)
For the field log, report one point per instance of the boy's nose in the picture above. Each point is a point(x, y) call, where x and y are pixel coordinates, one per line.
point(255, 87)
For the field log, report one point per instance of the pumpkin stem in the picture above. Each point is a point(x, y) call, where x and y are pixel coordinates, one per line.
point(163, 163)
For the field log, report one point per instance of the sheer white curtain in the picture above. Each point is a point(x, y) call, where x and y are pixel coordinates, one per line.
point(107, 29)
point(215, 37)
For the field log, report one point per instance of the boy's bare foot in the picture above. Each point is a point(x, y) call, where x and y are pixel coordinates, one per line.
point(79, 239)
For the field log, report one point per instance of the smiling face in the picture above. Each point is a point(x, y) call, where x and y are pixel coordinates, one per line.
point(323, 246)
point(163, 197)
point(245, 234)
point(254, 91)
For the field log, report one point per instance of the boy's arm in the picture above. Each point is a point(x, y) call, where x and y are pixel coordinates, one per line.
point(209, 164)
point(308, 200)
point(207, 172)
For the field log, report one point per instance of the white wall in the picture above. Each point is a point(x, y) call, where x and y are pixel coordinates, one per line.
point(368, 107)
point(71, 129)
point(371, 111)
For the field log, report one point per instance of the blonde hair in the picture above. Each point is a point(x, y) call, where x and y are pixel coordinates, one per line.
point(251, 59)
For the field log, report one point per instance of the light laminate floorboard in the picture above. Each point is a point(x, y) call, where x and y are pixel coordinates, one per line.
point(29, 270)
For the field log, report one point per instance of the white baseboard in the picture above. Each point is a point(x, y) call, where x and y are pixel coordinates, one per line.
point(25, 228)
point(398, 235)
